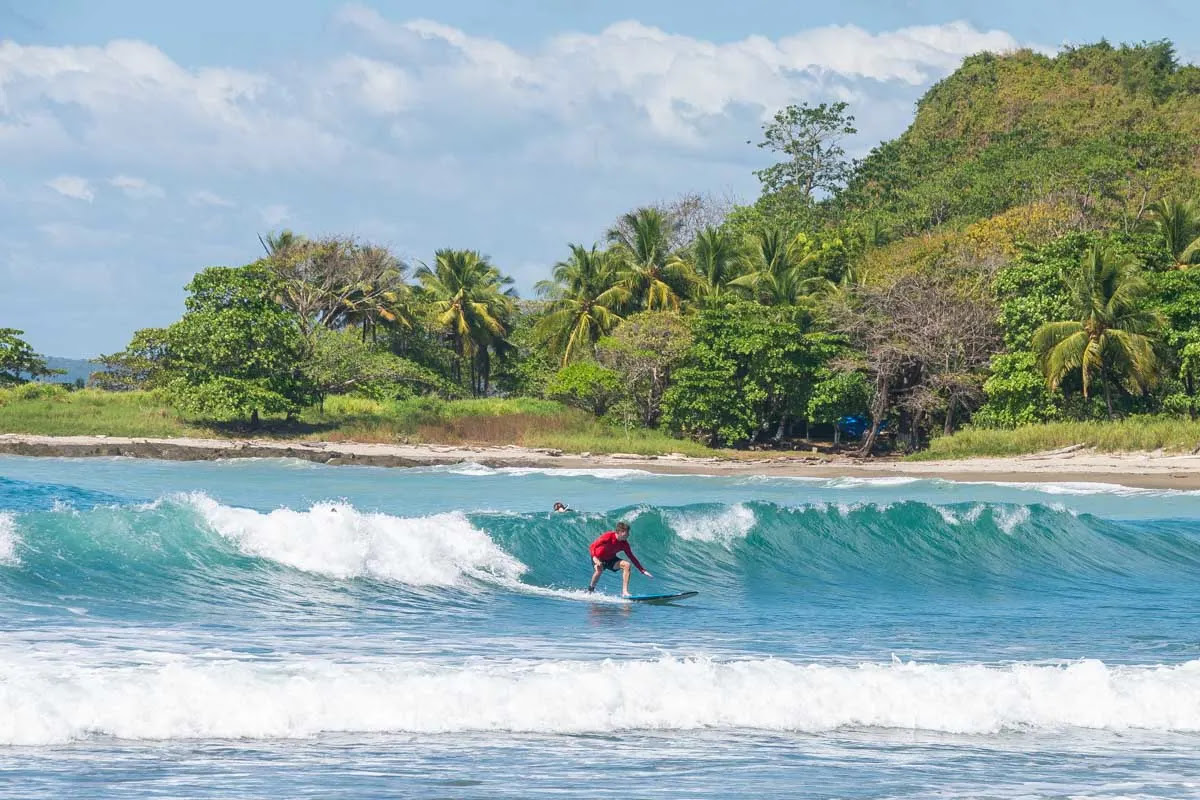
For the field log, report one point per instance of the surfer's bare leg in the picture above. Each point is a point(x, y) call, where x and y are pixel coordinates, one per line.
point(597, 571)
point(625, 567)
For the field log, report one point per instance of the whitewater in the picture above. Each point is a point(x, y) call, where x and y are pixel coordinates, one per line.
point(275, 628)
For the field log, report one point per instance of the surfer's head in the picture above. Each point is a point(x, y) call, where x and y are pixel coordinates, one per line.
point(560, 507)
point(622, 530)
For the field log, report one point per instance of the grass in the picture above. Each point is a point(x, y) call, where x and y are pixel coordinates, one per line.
point(1143, 433)
point(53, 411)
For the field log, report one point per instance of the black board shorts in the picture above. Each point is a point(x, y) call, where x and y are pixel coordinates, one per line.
point(611, 563)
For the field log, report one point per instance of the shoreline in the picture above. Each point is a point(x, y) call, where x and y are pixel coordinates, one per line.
point(1069, 465)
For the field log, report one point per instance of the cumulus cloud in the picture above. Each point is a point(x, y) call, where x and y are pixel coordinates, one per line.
point(674, 81)
point(102, 101)
point(136, 188)
point(73, 186)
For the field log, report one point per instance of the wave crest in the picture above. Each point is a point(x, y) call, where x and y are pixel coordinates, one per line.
point(46, 704)
point(336, 540)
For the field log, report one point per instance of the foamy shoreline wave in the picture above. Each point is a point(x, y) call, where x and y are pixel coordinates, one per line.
point(42, 702)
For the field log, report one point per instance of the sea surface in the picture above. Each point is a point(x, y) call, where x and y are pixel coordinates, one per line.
point(280, 629)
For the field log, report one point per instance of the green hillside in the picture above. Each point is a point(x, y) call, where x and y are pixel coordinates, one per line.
point(1101, 128)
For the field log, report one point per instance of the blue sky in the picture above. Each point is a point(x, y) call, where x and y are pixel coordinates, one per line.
point(143, 141)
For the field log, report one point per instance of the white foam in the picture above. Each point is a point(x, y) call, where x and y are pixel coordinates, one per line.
point(724, 525)
point(8, 540)
point(1007, 519)
point(48, 701)
point(337, 540)
point(1083, 488)
point(480, 470)
point(947, 514)
point(856, 482)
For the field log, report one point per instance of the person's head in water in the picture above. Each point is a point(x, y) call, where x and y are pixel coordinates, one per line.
point(560, 506)
point(622, 530)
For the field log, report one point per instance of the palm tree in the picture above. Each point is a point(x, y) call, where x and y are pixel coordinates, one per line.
point(777, 277)
point(280, 242)
point(716, 259)
point(1112, 335)
point(587, 297)
point(471, 302)
point(1178, 223)
point(640, 241)
point(377, 293)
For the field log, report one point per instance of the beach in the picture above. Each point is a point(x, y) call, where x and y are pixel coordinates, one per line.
point(1072, 464)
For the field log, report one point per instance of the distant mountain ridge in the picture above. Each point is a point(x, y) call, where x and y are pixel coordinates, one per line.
point(76, 368)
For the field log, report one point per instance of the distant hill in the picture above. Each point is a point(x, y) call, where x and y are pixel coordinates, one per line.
point(75, 368)
point(1100, 128)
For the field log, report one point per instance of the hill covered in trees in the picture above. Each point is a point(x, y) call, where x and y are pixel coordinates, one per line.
point(1023, 252)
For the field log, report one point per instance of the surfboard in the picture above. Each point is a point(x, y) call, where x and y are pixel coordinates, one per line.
point(659, 598)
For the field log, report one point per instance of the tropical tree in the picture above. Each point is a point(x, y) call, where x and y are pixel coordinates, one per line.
point(335, 282)
point(1111, 337)
point(278, 243)
point(716, 258)
point(18, 362)
point(641, 243)
point(586, 297)
point(236, 352)
point(472, 302)
point(1178, 223)
point(779, 275)
point(376, 293)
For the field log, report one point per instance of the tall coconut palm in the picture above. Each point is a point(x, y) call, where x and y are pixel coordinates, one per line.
point(586, 300)
point(777, 276)
point(641, 243)
point(715, 258)
point(1111, 337)
point(1178, 224)
point(471, 302)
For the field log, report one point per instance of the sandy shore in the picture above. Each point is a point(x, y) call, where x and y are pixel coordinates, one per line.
point(1145, 470)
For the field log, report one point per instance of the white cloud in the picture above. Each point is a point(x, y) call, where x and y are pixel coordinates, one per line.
point(676, 82)
point(137, 188)
point(73, 186)
point(100, 102)
point(206, 198)
point(380, 87)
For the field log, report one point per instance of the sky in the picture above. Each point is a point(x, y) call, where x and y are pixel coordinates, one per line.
point(143, 141)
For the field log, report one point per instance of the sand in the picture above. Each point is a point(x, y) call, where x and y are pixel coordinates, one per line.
point(1073, 464)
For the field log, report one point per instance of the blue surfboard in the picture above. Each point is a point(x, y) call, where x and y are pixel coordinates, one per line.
point(659, 598)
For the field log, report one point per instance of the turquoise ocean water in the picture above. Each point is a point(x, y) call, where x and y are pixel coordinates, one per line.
point(265, 629)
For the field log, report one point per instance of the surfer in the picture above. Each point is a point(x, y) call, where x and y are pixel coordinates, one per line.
point(604, 556)
point(558, 507)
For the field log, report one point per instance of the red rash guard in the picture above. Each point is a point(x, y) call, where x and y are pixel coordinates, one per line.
point(608, 545)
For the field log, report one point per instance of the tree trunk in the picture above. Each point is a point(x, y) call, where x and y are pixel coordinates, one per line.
point(878, 409)
point(779, 432)
point(1107, 397)
point(254, 421)
point(948, 428)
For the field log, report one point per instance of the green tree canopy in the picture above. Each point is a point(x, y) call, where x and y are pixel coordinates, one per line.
point(748, 372)
point(472, 303)
point(587, 297)
point(236, 352)
point(18, 362)
point(1111, 335)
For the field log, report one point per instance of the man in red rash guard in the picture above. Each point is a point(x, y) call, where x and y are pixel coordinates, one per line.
point(604, 556)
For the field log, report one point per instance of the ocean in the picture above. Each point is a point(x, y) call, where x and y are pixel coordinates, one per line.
point(280, 629)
